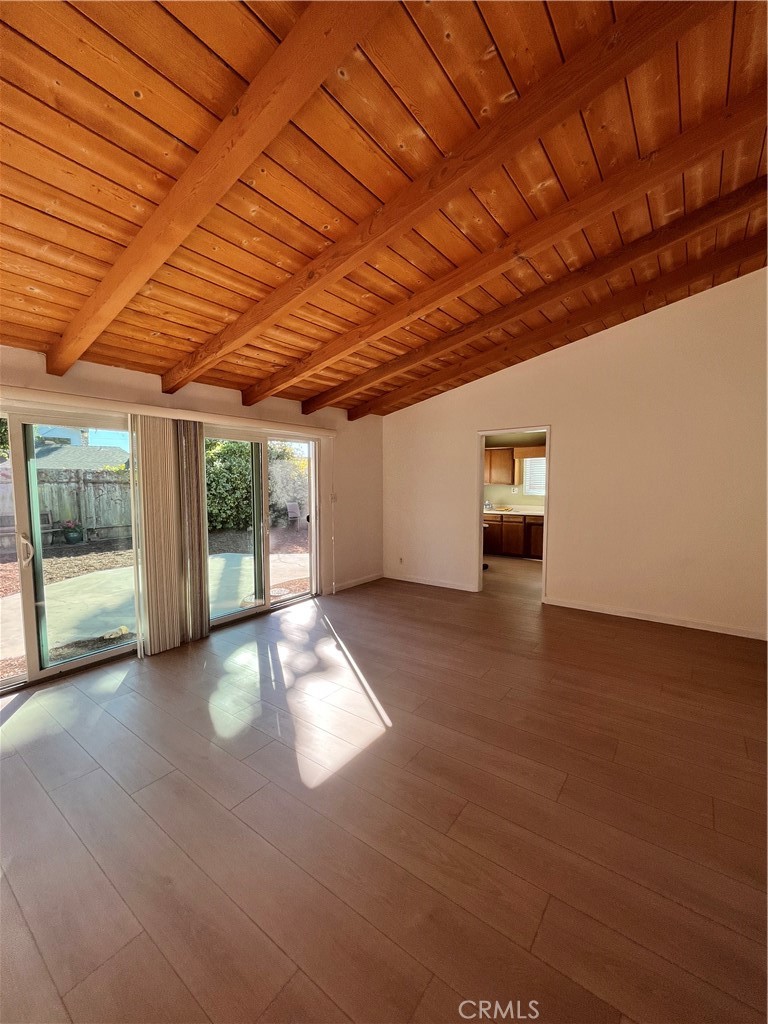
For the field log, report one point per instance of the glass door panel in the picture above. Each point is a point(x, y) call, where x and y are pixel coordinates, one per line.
point(83, 564)
point(233, 493)
point(290, 501)
point(13, 660)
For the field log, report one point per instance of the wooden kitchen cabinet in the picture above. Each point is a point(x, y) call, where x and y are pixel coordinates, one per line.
point(531, 452)
point(499, 466)
point(534, 546)
point(513, 535)
point(492, 535)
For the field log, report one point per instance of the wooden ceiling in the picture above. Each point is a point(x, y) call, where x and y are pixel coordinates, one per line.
point(366, 204)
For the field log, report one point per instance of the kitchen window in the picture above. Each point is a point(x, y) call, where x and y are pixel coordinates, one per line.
point(535, 476)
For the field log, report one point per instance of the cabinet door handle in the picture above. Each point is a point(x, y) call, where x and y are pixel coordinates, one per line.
point(29, 550)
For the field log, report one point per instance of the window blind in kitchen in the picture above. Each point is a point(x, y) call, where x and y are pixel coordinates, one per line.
point(535, 476)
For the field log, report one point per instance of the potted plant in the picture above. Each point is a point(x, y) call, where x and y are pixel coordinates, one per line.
point(73, 531)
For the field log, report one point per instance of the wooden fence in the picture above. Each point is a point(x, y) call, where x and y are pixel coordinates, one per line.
point(100, 500)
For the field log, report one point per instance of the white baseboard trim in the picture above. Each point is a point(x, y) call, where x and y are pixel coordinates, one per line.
point(448, 584)
point(669, 620)
point(348, 584)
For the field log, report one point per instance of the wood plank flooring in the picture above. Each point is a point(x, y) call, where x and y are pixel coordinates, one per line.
point(374, 806)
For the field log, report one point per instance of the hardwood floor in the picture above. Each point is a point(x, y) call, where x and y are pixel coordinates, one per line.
point(374, 806)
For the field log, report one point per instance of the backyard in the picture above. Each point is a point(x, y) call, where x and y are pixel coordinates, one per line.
point(89, 583)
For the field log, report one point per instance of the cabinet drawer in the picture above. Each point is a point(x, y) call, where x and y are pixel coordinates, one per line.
point(492, 519)
point(535, 519)
point(513, 519)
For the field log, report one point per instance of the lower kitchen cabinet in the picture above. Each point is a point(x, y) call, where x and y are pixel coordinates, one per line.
point(517, 536)
point(535, 538)
point(513, 535)
point(492, 535)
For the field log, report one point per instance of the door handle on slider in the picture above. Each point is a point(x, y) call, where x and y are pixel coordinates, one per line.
point(29, 549)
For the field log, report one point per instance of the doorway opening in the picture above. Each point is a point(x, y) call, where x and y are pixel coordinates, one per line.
point(513, 473)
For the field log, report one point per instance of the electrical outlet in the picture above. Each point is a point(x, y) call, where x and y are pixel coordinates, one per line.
point(334, 498)
point(401, 561)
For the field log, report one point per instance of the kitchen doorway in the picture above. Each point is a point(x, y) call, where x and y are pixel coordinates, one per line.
point(513, 490)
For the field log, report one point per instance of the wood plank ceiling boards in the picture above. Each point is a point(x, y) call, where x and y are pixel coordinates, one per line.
point(362, 205)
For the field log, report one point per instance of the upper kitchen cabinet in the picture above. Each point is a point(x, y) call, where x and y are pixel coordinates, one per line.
point(500, 467)
point(531, 452)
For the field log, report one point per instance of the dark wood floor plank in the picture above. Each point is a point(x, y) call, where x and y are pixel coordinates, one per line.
point(511, 905)
point(128, 759)
point(439, 1005)
point(637, 981)
point(708, 950)
point(524, 771)
point(224, 777)
point(742, 824)
point(77, 917)
point(613, 692)
point(430, 804)
point(717, 784)
point(27, 991)
point(360, 969)
point(703, 845)
point(53, 756)
point(453, 944)
point(302, 1002)
point(445, 778)
point(600, 735)
point(500, 744)
point(733, 904)
point(215, 720)
point(134, 986)
point(228, 964)
point(621, 718)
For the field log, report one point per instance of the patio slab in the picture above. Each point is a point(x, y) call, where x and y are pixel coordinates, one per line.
point(89, 606)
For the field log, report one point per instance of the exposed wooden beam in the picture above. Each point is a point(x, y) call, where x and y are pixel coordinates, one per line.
point(749, 197)
point(321, 38)
point(633, 181)
point(599, 65)
point(630, 297)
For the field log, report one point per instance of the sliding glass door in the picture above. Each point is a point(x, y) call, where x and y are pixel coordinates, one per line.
point(66, 544)
point(233, 484)
point(13, 657)
point(260, 496)
point(289, 481)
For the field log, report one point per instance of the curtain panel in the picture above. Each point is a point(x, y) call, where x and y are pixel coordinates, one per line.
point(160, 561)
point(194, 532)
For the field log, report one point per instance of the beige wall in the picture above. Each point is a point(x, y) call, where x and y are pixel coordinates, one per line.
point(656, 466)
point(350, 465)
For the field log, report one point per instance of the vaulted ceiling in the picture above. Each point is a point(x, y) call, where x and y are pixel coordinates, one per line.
point(366, 204)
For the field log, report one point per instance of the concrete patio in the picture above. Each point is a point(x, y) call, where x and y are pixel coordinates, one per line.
point(91, 605)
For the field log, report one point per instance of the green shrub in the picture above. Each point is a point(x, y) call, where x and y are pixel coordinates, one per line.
point(228, 484)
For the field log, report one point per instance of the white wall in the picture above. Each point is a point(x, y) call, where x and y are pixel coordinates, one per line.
point(350, 465)
point(646, 418)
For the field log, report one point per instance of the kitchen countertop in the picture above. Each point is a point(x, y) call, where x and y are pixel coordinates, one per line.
point(516, 510)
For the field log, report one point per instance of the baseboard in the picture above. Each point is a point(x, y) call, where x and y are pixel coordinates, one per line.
point(668, 620)
point(448, 584)
point(348, 584)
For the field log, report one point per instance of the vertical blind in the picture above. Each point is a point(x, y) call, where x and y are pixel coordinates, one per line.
point(160, 564)
point(173, 545)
